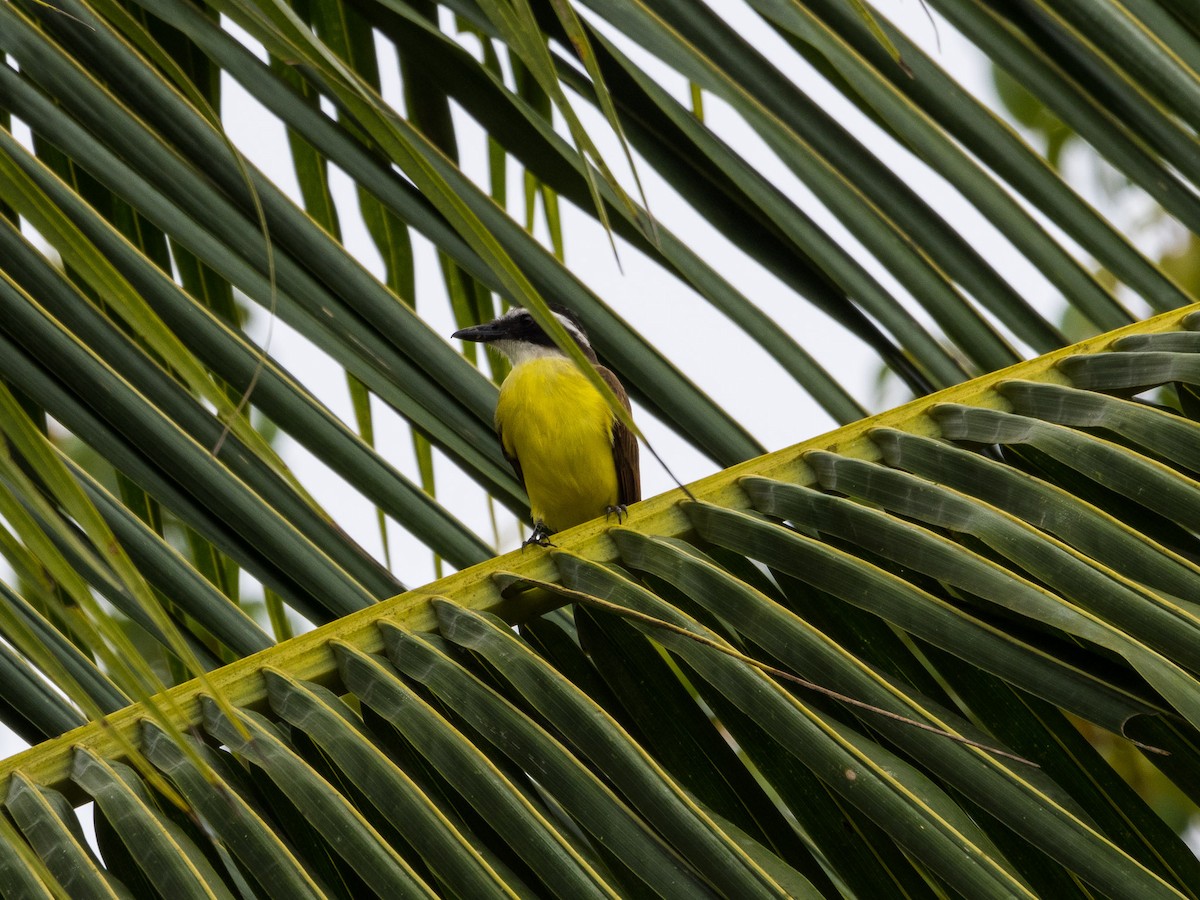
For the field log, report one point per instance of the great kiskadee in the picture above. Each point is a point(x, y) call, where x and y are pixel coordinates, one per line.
point(575, 458)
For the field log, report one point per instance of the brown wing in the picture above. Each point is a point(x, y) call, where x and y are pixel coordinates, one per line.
point(625, 448)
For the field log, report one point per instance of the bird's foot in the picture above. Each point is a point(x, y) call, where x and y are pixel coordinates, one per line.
point(540, 537)
point(619, 511)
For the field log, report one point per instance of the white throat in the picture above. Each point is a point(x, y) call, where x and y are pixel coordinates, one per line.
point(520, 352)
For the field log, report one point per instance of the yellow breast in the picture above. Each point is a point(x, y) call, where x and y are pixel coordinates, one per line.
point(560, 430)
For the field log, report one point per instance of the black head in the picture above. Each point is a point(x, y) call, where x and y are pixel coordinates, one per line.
point(517, 327)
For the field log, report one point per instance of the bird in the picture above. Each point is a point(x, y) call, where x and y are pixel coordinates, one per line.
point(575, 458)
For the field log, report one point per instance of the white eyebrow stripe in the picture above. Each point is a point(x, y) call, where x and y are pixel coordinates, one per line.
point(571, 327)
point(573, 330)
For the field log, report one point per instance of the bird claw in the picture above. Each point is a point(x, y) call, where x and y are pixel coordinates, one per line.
point(540, 537)
point(619, 511)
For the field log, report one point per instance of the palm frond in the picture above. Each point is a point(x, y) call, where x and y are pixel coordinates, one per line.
point(991, 597)
point(879, 661)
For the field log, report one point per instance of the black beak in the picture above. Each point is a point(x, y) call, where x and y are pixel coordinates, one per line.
point(488, 331)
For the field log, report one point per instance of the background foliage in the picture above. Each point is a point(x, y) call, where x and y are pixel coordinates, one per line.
point(1014, 563)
